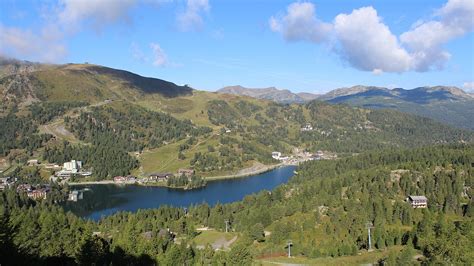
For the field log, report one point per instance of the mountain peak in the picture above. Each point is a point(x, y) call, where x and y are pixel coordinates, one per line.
point(269, 93)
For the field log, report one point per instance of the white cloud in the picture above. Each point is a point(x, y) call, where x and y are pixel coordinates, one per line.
point(159, 57)
point(191, 18)
point(425, 39)
point(377, 72)
point(61, 19)
point(97, 13)
point(47, 45)
point(468, 86)
point(367, 44)
point(300, 23)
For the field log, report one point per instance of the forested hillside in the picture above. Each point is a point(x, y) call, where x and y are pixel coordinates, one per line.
point(101, 110)
point(324, 210)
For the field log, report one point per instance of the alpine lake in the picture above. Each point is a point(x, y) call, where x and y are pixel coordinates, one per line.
point(106, 199)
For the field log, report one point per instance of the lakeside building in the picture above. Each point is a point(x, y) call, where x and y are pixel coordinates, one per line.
point(159, 176)
point(418, 201)
point(186, 172)
point(75, 195)
point(123, 179)
point(72, 168)
point(276, 155)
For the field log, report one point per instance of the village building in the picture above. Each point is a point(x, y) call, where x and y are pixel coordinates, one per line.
point(122, 179)
point(307, 127)
point(186, 172)
point(6, 182)
point(33, 162)
point(51, 166)
point(24, 188)
point(39, 193)
point(276, 155)
point(73, 166)
point(418, 201)
point(159, 176)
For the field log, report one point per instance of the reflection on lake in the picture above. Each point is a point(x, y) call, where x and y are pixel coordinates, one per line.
point(104, 200)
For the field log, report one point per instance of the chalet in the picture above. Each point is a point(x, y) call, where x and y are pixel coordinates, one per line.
point(39, 193)
point(418, 201)
point(186, 172)
point(159, 176)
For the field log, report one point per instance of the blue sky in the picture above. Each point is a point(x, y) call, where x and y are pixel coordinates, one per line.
point(312, 46)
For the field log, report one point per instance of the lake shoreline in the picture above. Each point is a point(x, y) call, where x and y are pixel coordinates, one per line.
point(261, 170)
point(107, 199)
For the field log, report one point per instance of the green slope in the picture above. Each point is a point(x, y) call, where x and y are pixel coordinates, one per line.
point(175, 126)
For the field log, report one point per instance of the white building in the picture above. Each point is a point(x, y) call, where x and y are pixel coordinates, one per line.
point(307, 127)
point(276, 155)
point(72, 167)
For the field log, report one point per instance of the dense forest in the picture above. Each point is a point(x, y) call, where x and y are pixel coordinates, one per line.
point(20, 131)
point(104, 158)
point(323, 209)
point(132, 127)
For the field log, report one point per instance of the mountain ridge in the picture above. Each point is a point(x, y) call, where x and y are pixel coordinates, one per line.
point(447, 104)
point(269, 93)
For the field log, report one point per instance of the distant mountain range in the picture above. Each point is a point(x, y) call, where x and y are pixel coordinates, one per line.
point(270, 93)
point(449, 105)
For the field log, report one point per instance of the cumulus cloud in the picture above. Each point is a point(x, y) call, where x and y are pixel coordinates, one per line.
point(159, 57)
point(300, 23)
point(97, 13)
point(367, 44)
point(425, 40)
point(191, 17)
point(363, 40)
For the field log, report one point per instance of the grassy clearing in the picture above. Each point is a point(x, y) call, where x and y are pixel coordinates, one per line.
point(363, 258)
point(164, 159)
point(210, 237)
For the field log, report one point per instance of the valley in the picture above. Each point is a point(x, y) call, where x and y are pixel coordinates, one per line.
point(140, 160)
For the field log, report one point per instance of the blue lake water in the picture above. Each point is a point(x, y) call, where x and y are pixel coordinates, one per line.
point(104, 200)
